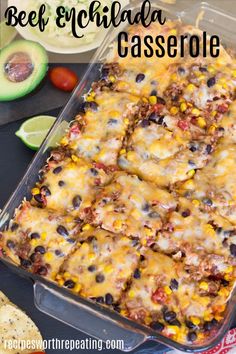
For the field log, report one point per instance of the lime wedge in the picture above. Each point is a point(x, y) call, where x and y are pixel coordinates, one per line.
point(7, 34)
point(33, 131)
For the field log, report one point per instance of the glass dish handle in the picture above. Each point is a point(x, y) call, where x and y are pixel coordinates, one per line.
point(84, 318)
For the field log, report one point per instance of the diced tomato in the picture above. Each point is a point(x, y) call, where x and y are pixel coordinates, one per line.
point(159, 296)
point(158, 107)
point(183, 124)
point(222, 108)
point(63, 78)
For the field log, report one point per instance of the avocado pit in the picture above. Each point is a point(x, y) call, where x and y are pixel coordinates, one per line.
point(18, 67)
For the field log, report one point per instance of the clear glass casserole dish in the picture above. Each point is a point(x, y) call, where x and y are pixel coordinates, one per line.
point(59, 303)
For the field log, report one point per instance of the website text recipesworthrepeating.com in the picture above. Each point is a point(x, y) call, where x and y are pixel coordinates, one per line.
point(64, 344)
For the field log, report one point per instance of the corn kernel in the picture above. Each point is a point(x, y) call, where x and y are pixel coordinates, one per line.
point(188, 184)
point(117, 224)
point(191, 173)
point(203, 285)
point(114, 114)
point(108, 268)
point(167, 290)
point(228, 277)
point(201, 77)
point(74, 279)
point(183, 107)
point(131, 294)
point(211, 69)
point(58, 277)
point(87, 227)
point(74, 158)
point(152, 99)
point(91, 256)
point(195, 112)
point(195, 320)
point(35, 191)
point(174, 110)
point(48, 257)
point(89, 99)
point(145, 100)
point(148, 231)
point(173, 77)
point(229, 270)
point(64, 141)
point(131, 156)
point(66, 275)
point(207, 317)
point(213, 113)
point(77, 288)
point(34, 242)
point(223, 292)
point(122, 151)
point(173, 32)
point(43, 236)
point(143, 242)
point(61, 282)
point(196, 202)
point(209, 230)
point(112, 78)
point(212, 129)
point(123, 312)
point(126, 121)
point(234, 73)
point(201, 122)
point(218, 317)
point(190, 87)
point(172, 329)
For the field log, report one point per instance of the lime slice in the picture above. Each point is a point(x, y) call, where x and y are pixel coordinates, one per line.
point(34, 130)
point(7, 34)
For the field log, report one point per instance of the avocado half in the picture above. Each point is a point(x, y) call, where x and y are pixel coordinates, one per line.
point(23, 65)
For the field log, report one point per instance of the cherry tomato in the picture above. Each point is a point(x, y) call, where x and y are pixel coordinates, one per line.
point(63, 78)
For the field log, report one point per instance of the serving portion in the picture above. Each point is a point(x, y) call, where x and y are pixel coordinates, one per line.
point(136, 207)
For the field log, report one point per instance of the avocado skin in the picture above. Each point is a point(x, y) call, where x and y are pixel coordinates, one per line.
point(10, 91)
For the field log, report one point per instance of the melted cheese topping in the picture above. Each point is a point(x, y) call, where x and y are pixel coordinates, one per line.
point(217, 182)
point(162, 154)
point(99, 266)
point(133, 207)
point(20, 244)
point(73, 185)
point(104, 130)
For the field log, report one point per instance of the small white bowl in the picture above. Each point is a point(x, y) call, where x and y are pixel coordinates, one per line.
point(61, 47)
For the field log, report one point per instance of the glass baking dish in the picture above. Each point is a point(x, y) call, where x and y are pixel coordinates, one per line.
point(61, 304)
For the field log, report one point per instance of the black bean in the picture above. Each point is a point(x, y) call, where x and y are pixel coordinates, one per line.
point(112, 121)
point(207, 325)
point(92, 268)
point(38, 198)
point(70, 284)
point(135, 242)
point(181, 70)
point(146, 207)
point(233, 249)
point(93, 171)
point(193, 148)
point(190, 324)
point(207, 201)
point(186, 213)
point(14, 226)
point(117, 308)
point(45, 191)
point(105, 73)
point(191, 163)
point(174, 284)
point(11, 244)
point(140, 77)
point(137, 274)
point(161, 100)
point(142, 258)
point(57, 170)
point(203, 69)
point(145, 123)
point(100, 278)
point(154, 215)
point(208, 148)
point(169, 316)
point(221, 129)
point(76, 201)
point(40, 249)
point(91, 238)
point(192, 336)
point(157, 326)
point(93, 106)
point(100, 299)
point(211, 82)
point(219, 230)
point(176, 323)
point(109, 299)
point(153, 93)
point(61, 230)
point(34, 236)
point(71, 240)
point(224, 282)
point(25, 263)
point(33, 257)
point(42, 271)
point(59, 253)
point(61, 183)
